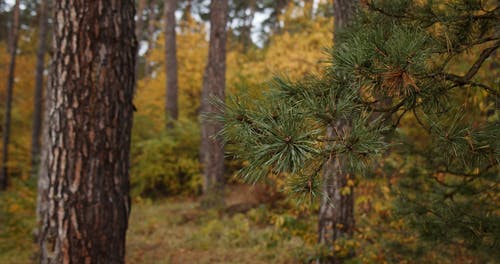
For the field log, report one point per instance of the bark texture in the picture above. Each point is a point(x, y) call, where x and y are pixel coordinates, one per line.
point(40, 66)
point(214, 82)
point(336, 215)
point(14, 36)
point(85, 215)
point(172, 85)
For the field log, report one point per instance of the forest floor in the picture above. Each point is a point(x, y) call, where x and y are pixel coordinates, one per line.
point(176, 230)
point(255, 226)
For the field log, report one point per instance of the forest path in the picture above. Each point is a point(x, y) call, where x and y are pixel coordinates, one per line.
point(177, 231)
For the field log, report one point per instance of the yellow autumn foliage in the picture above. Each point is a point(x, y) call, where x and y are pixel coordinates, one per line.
point(22, 104)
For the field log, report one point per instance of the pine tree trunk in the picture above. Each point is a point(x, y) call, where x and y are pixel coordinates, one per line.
point(336, 215)
point(151, 36)
point(139, 25)
point(246, 29)
point(40, 66)
point(139, 28)
point(43, 177)
point(3, 25)
point(214, 82)
point(14, 35)
point(87, 206)
point(171, 100)
point(343, 13)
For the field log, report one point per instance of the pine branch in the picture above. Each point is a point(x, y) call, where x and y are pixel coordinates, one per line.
point(451, 194)
point(428, 129)
point(477, 65)
point(395, 125)
point(391, 110)
point(485, 87)
point(466, 175)
point(462, 80)
point(466, 79)
point(372, 6)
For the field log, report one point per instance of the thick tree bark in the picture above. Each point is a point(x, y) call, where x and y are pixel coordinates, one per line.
point(87, 206)
point(40, 66)
point(214, 82)
point(172, 85)
point(14, 36)
point(336, 215)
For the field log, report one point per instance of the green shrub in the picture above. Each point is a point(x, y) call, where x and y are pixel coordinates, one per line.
point(17, 222)
point(166, 163)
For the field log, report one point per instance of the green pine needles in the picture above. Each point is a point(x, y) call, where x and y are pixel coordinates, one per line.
point(410, 77)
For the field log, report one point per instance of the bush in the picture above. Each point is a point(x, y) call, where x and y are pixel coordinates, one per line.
point(166, 163)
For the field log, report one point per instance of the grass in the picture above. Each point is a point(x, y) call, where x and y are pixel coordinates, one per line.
point(177, 232)
point(170, 231)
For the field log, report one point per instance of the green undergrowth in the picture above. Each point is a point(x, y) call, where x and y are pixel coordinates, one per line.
point(178, 232)
point(165, 231)
point(17, 222)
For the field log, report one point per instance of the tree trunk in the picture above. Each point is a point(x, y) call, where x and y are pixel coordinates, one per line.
point(171, 100)
point(151, 36)
point(139, 22)
point(40, 66)
point(90, 119)
point(214, 82)
point(4, 29)
point(43, 177)
point(343, 13)
point(274, 17)
point(246, 28)
point(336, 215)
point(14, 35)
point(139, 28)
